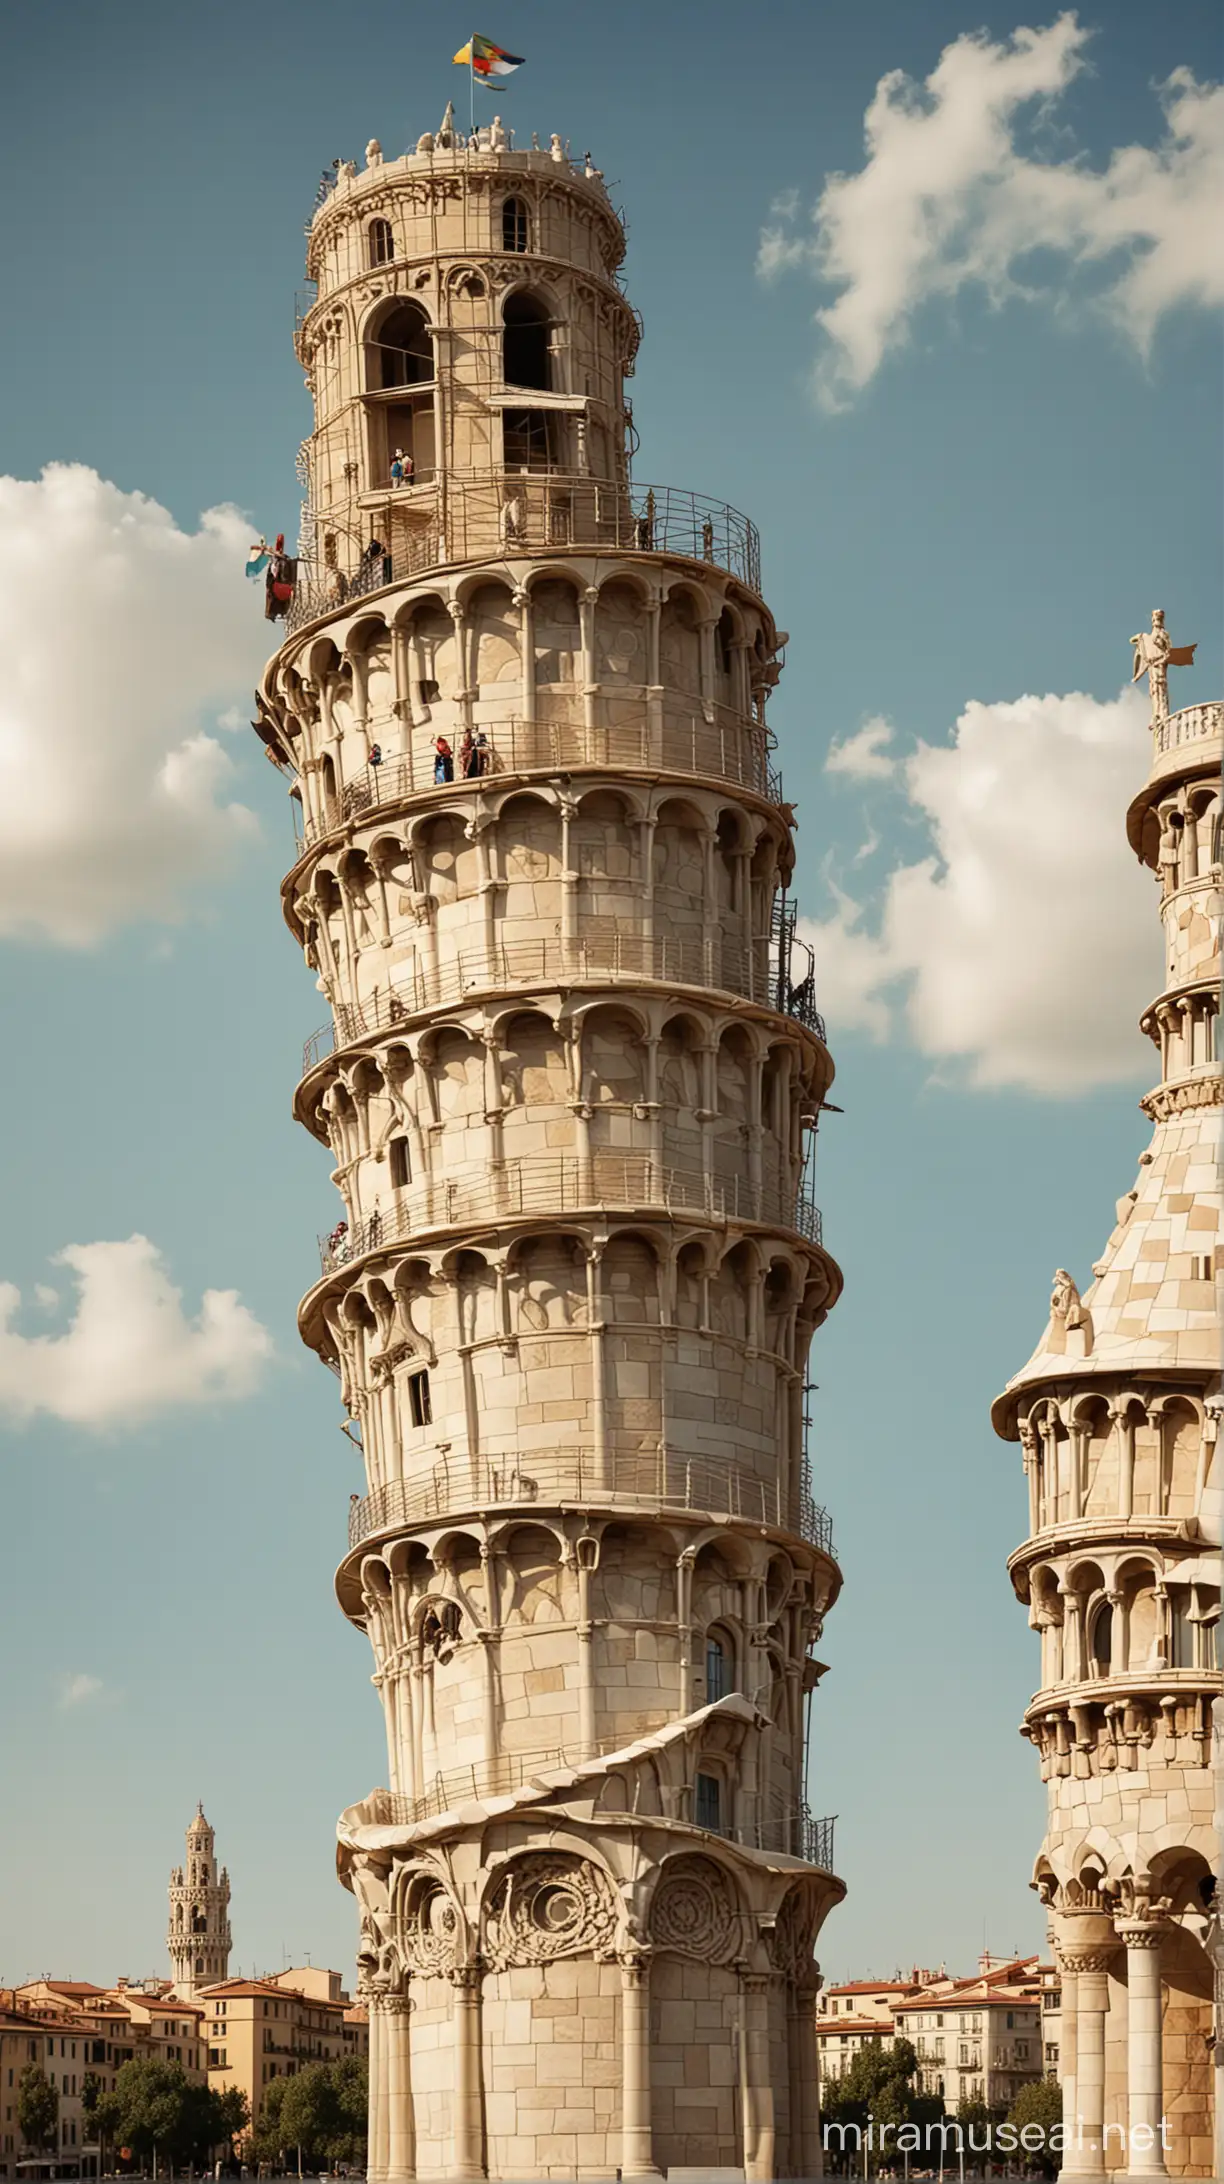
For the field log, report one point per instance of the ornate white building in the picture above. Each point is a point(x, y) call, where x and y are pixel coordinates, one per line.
point(1118, 1414)
point(198, 1936)
point(569, 1088)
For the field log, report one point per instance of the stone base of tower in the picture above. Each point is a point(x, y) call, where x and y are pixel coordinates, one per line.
point(563, 1990)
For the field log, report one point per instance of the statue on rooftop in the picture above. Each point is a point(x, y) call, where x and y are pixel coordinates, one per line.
point(1154, 656)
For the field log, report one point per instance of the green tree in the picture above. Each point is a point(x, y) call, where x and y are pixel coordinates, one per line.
point(1040, 2103)
point(38, 2109)
point(161, 2114)
point(352, 2082)
point(267, 2137)
point(310, 2112)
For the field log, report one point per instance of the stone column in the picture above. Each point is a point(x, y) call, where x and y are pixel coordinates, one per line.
point(397, 2090)
point(466, 2132)
point(757, 2081)
point(1067, 2044)
point(806, 2152)
point(379, 2118)
point(1144, 2063)
point(637, 2144)
point(1087, 1957)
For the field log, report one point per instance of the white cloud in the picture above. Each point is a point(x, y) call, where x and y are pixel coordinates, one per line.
point(77, 1690)
point(1025, 944)
point(947, 197)
point(130, 1350)
point(120, 633)
point(864, 756)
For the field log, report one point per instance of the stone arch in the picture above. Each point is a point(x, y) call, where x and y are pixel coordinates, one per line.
point(449, 863)
point(629, 1285)
point(680, 621)
point(621, 657)
point(547, 1276)
point(529, 850)
point(557, 636)
point(494, 640)
point(534, 1065)
point(533, 1552)
point(613, 1060)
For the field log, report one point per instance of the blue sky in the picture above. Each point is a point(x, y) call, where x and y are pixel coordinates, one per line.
point(984, 516)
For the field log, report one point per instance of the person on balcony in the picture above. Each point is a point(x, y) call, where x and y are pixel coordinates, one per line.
point(375, 757)
point(444, 761)
point(467, 757)
point(484, 755)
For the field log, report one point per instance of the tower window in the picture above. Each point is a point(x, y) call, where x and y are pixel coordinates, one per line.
point(1102, 1640)
point(401, 1170)
point(419, 1406)
point(527, 439)
point(401, 349)
point(514, 224)
point(526, 359)
point(716, 1670)
point(381, 242)
point(708, 1803)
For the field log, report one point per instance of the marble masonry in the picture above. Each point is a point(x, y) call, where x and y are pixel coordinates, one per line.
point(570, 1088)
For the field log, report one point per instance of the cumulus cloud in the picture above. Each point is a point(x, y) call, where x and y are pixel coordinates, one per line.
point(948, 196)
point(1024, 944)
point(78, 1690)
point(123, 637)
point(130, 1351)
point(865, 756)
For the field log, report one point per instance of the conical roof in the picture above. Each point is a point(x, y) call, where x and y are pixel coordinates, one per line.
point(1152, 1308)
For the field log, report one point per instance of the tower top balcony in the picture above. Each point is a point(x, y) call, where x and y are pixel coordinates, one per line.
point(1186, 743)
point(439, 188)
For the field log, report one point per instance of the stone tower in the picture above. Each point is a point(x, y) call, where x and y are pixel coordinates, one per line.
point(569, 1088)
point(1118, 1414)
point(198, 1937)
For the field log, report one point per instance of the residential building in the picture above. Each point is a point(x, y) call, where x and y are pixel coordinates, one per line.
point(258, 2030)
point(855, 2015)
point(977, 2039)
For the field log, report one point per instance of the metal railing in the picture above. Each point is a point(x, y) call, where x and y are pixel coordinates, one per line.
point(472, 517)
point(796, 1833)
point(567, 1184)
point(730, 747)
point(666, 1477)
point(1191, 725)
point(753, 973)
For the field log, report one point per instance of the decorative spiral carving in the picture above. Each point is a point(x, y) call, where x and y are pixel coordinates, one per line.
point(791, 1941)
point(547, 1906)
point(431, 1933)
point(694, 1911)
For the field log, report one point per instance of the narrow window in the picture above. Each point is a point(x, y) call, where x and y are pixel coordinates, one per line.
point(418, 1399)
point(1102, 1640)
point(401, 1170)
point(525, 343)
point(514, 224)
point(716, 1670)
point(382, 242)
point(709, 1802)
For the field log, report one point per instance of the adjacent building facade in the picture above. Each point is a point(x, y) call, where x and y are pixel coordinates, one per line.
point(75, 2031)
point(258, 2030)
point(1118, 1415)
point(979, 2039)
point(569, 1087)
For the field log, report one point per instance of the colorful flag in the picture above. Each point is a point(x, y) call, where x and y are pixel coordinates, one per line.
point(258, 558)
point(487, 60)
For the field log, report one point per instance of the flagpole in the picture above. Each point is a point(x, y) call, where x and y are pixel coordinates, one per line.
point(471, 84)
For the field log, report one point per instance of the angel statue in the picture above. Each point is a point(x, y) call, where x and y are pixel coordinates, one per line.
point(1154, 656)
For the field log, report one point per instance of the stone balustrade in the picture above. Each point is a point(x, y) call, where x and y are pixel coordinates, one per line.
point(567, 1184)
point(667, 1477)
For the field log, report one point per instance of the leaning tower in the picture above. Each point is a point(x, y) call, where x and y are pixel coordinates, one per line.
point(1118, 1414)
point(198, 1937)
point(570, 1087)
